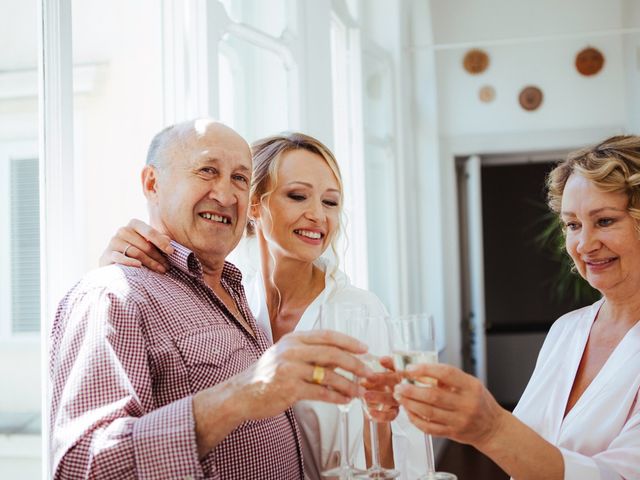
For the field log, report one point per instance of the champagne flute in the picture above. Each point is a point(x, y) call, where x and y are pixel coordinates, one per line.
point(413, 339)
point(378, 348)
point(346, 318)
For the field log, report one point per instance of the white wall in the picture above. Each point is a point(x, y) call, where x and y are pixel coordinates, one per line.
point(538, 48)
point(631, 19)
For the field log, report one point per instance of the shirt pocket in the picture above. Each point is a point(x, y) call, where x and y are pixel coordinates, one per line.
point(214, 354)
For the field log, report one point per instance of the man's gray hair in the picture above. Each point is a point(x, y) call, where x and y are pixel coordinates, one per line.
point(156, 155)
point(174, 140)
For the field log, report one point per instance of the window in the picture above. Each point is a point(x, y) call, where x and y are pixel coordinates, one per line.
point(19, 243)
point(24, 215)
point(269, 17)
point(253, 88)
point(380, 176)
point(20, 247)
point(258, 76)
point(117, 108)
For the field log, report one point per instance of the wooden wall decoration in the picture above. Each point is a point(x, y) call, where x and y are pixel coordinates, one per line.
point(475, 61)
point(530, 98)
point(589, 61)
point(486, 94)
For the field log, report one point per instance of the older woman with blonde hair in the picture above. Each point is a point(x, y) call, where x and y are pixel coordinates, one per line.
point(579, 417)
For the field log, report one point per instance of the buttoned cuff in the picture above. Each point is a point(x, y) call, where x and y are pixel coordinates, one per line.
point(164, 443)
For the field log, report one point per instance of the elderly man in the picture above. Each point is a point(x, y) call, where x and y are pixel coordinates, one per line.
point(167, 375)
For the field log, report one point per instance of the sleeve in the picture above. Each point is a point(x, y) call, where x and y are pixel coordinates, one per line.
point(103, 420)
point(620, 461)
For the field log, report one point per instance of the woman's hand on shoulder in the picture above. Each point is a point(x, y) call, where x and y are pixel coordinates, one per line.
point(138, 244)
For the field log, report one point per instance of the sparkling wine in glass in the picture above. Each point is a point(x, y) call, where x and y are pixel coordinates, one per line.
point(413, 342)
point(346, 318)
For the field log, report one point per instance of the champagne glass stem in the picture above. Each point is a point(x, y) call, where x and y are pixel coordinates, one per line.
point(375, 445)
point(344, 445)
point(431, 464)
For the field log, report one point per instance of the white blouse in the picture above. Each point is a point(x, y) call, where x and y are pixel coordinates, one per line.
point(319, 421)
point(600, 436)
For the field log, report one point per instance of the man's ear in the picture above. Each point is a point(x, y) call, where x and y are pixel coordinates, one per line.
point(149, 178)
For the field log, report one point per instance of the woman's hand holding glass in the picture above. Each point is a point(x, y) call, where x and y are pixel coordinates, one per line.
point(459, 407)
point(414, 346)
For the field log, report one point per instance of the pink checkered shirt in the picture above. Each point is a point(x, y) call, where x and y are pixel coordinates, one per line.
point(130, 347)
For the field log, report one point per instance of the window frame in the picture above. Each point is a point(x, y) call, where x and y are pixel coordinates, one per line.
point(389, 142)
point(349, 148)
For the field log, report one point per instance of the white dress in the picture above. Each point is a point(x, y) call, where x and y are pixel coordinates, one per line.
point(600, 436)
point(318, 421)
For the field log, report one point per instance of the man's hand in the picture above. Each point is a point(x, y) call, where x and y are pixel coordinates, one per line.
point(136, 245)
point(281, 377)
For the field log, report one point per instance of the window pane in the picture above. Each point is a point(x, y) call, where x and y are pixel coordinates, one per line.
point(381, 240)
point(380, 179)
point(378, 103)
point(118, 107)
point(253, 89)
point(19, 242)
point(268, 16)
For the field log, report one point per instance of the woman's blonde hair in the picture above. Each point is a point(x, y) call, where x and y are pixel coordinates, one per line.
point(612, 165)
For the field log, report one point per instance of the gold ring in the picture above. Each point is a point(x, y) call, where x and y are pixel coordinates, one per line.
point(318, 374)
point(124, 252)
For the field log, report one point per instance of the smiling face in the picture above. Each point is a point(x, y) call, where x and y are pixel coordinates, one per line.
point(199, 195)
point(300, 217)
point(601, 236)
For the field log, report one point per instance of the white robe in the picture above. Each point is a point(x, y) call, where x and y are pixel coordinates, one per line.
point(319, 421)
point(600, 436)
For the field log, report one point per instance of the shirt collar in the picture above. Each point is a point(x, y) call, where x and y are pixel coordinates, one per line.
point(186, 261)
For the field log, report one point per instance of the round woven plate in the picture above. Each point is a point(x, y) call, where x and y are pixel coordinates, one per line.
point(589, 61)
point(475, 61)
point(530, 98)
